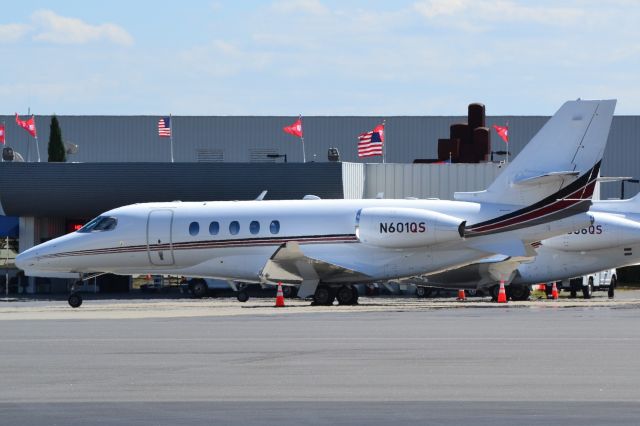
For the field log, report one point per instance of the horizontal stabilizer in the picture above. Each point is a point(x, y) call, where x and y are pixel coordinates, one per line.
point(550, 177)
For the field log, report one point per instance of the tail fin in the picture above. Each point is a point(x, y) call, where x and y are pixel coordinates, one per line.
point(562, 160)
point(630, 205)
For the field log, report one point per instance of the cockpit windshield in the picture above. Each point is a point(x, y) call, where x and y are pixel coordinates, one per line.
point(99, 224)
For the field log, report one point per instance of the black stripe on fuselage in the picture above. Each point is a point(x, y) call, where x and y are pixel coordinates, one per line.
point(207, 244)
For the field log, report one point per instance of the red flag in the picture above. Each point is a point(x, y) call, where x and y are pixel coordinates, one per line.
point(380, 129)
point(503, 132)
point(295, 129)
point(29, 125)
point(2, 138)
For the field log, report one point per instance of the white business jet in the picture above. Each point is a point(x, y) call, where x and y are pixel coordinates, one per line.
point(325, 246)
point(611, 241)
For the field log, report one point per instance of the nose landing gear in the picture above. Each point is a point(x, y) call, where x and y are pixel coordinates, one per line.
point(75, 299)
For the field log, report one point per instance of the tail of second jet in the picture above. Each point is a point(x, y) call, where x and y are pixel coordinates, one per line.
point(630, 205)
point(554, 176)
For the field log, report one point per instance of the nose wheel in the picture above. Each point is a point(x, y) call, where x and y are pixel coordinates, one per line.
point(75, 300)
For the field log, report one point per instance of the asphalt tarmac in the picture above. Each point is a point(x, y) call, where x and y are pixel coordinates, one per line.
point(539, 363)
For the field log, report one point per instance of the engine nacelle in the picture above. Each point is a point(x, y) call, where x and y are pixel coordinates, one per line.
point(406, 227)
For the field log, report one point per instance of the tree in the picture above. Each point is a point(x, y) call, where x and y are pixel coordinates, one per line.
point(57, 152)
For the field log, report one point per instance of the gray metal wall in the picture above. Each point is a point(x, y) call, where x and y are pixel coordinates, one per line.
point(243, 139)
point(427, 180)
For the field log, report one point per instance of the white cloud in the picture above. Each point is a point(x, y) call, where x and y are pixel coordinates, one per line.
point(433, 8)
point(467, 13)
point(221, 58)
point(507, 10)
point(313, 7)
point(12, 32)
point(54, 28)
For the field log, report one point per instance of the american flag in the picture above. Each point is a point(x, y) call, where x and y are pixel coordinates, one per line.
point(370, 143)
point(164, 127)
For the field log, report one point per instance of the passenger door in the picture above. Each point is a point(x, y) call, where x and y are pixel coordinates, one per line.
point(159, 244)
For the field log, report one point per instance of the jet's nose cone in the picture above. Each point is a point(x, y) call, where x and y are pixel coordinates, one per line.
point(26, 259)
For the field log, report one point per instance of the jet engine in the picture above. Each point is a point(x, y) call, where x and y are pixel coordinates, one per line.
point(406, 227)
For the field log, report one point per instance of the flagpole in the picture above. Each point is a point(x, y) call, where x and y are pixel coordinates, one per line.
point(36, 137)
point(304, 159)
point(28, 143)
point(37, 149)
point(171, 135)
point(4, 144)
point(384, 143)
point(508, 144)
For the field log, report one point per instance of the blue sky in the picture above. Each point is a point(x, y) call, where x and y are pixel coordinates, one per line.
point(317, 57)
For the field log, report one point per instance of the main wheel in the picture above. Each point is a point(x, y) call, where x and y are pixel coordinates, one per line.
point(494, 291)
point(289, 291)
point(612, 286)
point(199, 288)
point(518, 292)
point(573, 289)
point(323, 296)
point(421, 292)
point(242, 296)
point(587, 290)
point(345, 295)
point(548, 289)
point(75, 300)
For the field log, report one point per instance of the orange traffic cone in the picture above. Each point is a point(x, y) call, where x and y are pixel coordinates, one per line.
point(461, 295)
point(502, 294)
point(554, 291)
point(279, 297)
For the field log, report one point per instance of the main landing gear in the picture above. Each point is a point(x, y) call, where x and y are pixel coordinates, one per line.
point(514, 292)
point(243, 294)
point(345, 295)
point(75, 300)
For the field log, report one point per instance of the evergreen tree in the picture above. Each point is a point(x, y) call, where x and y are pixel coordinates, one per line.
point(57, 151)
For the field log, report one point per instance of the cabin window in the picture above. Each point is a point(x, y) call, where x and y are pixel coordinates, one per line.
point(274, 227)
point(99, 224)
point(214, 228)
point(254, 227)
point(194, 228)
point(234, 227)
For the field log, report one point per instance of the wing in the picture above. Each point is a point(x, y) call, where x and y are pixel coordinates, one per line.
point(484, 273)
point(289, 265)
